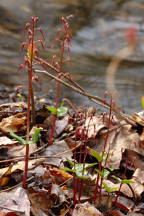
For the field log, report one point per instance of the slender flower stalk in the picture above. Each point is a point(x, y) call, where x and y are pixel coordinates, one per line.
point(63, 40)
point(29, 61)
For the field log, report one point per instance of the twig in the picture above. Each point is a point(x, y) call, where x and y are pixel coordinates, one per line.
point(7, 189)
point(70, 104)
point(93, 98)
point(10, 209)
point(22, 158)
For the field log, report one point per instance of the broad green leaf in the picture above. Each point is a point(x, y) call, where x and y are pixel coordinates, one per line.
point(61, 111)
point(95, 154)
point(82, 173)
point(81, 170)
point(127, 181)
point(18, 138)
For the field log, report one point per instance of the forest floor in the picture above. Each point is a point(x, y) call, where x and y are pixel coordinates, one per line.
point(93, 165)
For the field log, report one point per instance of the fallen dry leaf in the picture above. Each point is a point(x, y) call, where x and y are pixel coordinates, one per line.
point(18, 202)
point(20, 166)
point(6, 141)
point(92, 126)
point(86, 209)
point(41, 202)
point(59, 148)
point(13, 123)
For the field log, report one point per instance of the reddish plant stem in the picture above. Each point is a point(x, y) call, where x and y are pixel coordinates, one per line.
point(30, 95)
point(100, 163)
point(52, 133)
point(106, 140)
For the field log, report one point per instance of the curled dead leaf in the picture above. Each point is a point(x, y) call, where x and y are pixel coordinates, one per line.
point(13, 123)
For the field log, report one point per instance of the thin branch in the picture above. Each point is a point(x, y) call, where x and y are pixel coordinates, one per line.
point(11, 209)
point(93, 98)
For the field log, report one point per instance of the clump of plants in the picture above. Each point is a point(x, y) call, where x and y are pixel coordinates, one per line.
point(88, 170)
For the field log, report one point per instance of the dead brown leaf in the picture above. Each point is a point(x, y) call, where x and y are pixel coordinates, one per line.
point(86, 209)
point(6, 141)
point(13, 123)
point(18, 202)
point(20, 166)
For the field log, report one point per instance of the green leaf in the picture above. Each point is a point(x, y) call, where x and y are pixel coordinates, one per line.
point(80, 169)
point(61, 111)
point(116, 178)
point(81, 166)
point(82, 173)
point(104, 158)
point(109, 189)
point(18, 138)
point(36, 135)
point(68, 169)
point(95, 154)
point(70, 162)
point(106, 173)
point(100, 173)
point(53, 110)
point(126, 181)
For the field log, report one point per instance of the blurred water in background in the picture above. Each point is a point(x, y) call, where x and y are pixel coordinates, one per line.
point(98, 28)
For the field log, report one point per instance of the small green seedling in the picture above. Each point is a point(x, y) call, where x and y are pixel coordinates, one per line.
point(109, 189)
point(104, 173)
point(80, 169)
point(60, 111)
point(33, 140)
point(95, 154)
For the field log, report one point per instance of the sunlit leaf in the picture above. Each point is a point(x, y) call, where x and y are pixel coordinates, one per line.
point(127, 181)
point(95, 154)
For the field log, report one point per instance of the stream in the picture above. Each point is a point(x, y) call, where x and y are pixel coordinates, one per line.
point(98, 31)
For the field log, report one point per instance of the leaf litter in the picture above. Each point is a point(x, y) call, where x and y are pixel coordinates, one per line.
point(71, 166)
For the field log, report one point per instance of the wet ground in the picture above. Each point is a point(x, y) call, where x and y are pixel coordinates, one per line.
point(98, 30)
